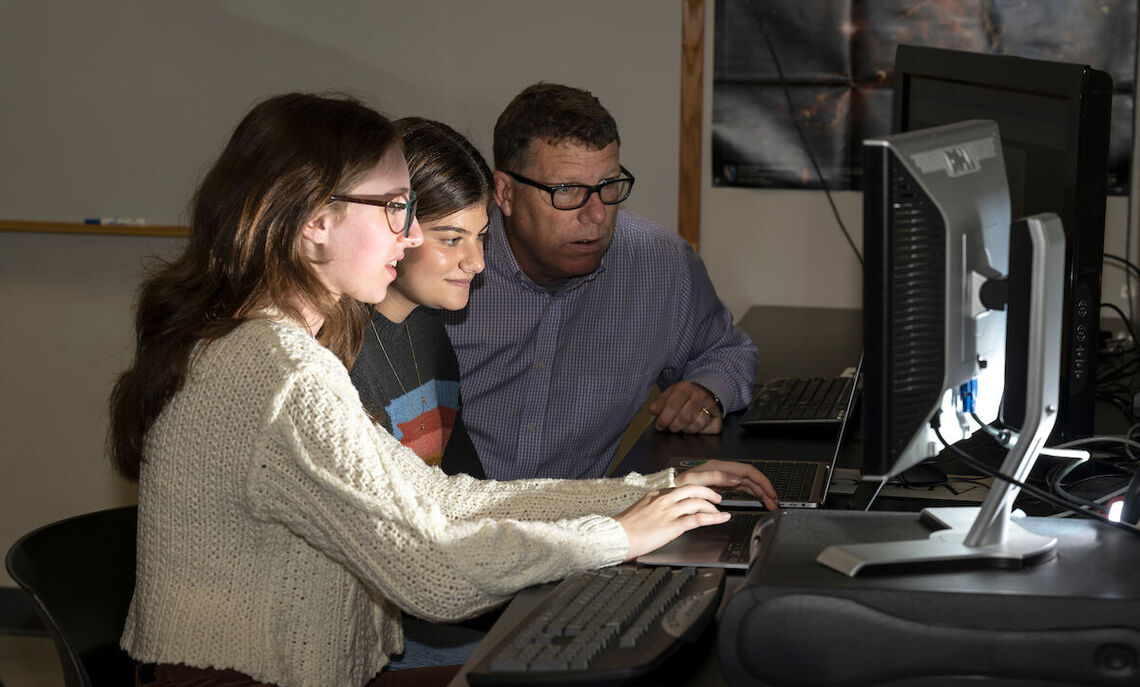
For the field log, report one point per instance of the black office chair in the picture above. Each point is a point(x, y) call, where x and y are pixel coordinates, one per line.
point(80, 573)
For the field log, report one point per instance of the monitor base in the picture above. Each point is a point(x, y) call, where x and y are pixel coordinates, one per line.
point(944, 547)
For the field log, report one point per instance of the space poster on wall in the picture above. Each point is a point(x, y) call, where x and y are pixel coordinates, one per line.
point(832, 60)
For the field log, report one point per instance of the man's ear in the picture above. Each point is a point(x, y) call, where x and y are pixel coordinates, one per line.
point(504, 191)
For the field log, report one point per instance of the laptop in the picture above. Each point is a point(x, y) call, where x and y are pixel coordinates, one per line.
point(799, 483)
point(734, 544)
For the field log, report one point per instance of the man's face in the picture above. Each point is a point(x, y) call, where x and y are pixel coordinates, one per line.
point(552, 244)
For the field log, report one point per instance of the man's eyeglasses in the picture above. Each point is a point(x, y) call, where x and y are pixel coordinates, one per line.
point(400, 214)
point(574, 196)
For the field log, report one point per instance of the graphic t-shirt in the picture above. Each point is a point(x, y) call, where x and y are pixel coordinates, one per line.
point(413, 389)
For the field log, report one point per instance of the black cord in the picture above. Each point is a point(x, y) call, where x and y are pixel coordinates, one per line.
point(1126, 369)
point(1123, 365)
point(1131, 268)
point(1123, 261)
point(970, 461)
point(1117, 476)
point(803, 140)
point(1036, 493)
point(1005, 434)
point(1127, 321)
point(1123, 406)
point(1039, 494)
point(1057, 476)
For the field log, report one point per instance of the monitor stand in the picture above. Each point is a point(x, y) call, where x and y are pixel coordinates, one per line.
point(986, 536)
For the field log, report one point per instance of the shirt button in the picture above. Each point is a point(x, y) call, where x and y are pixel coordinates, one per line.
point(542, 366)
point(530, 428)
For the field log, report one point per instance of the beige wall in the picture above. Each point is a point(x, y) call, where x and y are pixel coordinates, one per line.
point(115, 108)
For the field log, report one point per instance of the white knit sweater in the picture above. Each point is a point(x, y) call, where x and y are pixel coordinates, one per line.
point(281, 532)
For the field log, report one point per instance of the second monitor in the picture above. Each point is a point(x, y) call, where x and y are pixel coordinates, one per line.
point(1055, 120)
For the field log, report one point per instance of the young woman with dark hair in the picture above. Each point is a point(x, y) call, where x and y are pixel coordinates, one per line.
point(406, 372)
point(281, 531)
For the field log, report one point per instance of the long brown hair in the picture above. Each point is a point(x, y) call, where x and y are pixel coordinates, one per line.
point(283, 161)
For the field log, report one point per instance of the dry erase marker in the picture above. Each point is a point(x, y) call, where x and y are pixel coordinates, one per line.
point(116, 221)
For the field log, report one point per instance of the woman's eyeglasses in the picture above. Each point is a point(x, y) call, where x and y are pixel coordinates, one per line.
point(400, 214)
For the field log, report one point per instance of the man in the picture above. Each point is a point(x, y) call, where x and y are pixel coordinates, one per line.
point(582, 308)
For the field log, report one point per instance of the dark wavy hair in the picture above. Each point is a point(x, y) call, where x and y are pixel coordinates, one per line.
point(552, 113)
point(448, 173)
point(283, 161)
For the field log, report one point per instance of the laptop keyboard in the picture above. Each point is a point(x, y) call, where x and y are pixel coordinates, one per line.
point(604, 625)
point(739, 541)
point(800, 400)
point(792, 479)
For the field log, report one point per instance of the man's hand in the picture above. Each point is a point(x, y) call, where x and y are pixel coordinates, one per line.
point(735, 475)
point(687, 407)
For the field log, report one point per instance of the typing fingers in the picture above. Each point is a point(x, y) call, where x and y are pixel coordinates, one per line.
point(693, 494)
point(761, 487)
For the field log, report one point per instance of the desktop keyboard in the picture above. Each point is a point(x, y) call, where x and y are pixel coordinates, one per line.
point(604, 625)
point(800, 401)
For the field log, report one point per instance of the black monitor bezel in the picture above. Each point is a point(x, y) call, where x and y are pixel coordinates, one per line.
point(1088, 93)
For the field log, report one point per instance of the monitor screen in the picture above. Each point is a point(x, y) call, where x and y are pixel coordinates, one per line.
point(1032, 127)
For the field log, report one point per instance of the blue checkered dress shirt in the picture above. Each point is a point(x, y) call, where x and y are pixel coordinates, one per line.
point(550, 381)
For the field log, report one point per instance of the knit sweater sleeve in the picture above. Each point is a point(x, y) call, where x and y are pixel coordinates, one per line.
point(353, 492)
point(466, 497)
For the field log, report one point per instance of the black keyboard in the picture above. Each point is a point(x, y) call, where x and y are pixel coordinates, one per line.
point(800, 401)
point(606, 625)
point(793, 480)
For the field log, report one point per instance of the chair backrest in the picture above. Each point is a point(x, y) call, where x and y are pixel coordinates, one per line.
point(80, 573)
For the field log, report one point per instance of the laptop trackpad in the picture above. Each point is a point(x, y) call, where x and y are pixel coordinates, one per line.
point(728, 545)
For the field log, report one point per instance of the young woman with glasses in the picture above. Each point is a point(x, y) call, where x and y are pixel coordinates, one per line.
point(281, 531)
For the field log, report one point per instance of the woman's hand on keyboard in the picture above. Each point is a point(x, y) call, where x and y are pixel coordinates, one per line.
point(661, 516)
point(732, 475)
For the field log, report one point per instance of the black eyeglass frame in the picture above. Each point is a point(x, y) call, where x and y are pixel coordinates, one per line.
point(590, 190)
point(410, 206)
